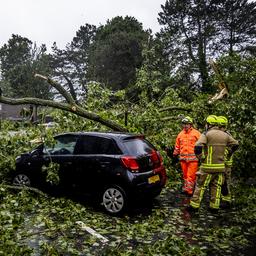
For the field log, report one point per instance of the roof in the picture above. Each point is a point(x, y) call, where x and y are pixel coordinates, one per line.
point(120, 135)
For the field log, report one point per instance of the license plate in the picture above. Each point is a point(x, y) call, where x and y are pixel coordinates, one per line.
point(153, 179)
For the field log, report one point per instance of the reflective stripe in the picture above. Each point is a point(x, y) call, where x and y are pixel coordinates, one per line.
point(189, 159)
point(205, 185)
point(216, 204)
point(209, 155)
point(203, 154)
point(213, 166)
point(227, 198)
point(229, 163)
point(194, 205)
point(210, 158)
point(187, 154)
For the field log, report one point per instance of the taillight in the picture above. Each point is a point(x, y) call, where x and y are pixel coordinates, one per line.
point(154, 157)
point(160, 157)
point(130, 163)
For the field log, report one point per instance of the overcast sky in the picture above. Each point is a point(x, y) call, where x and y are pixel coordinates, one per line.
point(48, 21)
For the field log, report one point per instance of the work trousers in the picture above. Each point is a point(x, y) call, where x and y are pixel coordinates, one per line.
point(225, 189)
point(189, 169)
point(214, 181)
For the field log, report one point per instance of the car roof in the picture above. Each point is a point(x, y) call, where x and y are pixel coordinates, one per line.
point(114, 135)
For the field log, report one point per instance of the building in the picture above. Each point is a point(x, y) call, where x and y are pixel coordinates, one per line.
point(11, 112)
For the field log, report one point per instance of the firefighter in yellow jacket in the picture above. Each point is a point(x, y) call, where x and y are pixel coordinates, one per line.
point(184, 150)
point(225, 190)
point(210, 148)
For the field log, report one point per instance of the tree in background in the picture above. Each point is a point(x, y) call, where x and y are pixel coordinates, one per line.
point(117, 52)
point(187, 33)
point(71, 64)
point(196, 30)
point(240, 108)
point(237, 26)
point(20, 60)
point(153, 75)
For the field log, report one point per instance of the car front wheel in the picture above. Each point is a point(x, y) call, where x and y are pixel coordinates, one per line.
point(114, 199)
point(21, 180)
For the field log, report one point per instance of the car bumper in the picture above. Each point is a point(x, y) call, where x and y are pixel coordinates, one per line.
point(148, 183)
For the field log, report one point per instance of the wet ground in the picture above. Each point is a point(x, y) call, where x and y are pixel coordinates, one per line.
point(203, 220)
point(145, 226)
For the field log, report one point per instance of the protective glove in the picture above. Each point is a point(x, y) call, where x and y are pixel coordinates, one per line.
point(175, 159)
point(168, 151)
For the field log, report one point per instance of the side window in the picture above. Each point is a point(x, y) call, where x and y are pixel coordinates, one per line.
point(63, 145)
point(97, 145)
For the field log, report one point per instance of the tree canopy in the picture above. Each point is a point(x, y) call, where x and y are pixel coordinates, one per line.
point(20, 59)
point(124, 78)
point(117, 52)
point(197, 30)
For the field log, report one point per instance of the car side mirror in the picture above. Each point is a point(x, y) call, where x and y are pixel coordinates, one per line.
point(36, 153)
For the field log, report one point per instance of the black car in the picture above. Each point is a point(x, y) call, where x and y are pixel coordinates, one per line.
point(117, 167)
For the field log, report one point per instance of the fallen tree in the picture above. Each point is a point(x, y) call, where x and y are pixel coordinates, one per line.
point(70, 105)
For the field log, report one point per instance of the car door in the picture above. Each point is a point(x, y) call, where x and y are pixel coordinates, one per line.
point(93, 162)
point(61, 151)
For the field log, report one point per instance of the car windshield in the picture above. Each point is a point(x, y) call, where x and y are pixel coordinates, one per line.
point(138, 146)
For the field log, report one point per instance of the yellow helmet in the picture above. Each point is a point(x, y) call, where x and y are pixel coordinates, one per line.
point(211, 119)
point(187, 120)
point(222, 121)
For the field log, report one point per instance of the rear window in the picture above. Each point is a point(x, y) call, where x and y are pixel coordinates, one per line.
point(138, 147)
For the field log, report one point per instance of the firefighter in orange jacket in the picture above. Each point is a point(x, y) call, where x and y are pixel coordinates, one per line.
point(184, 150)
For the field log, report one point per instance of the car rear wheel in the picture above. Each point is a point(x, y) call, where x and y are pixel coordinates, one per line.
point(21, 180)
point(114, 199)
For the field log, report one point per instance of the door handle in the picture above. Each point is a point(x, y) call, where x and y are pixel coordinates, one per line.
point(46, 158)
point(67, 163)
point(104, 164)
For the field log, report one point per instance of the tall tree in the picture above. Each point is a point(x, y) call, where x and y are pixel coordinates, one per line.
point(70, 65)
point(153, 76)
point(237, 21)
point(20, 59)
point(195, 30)
point(117, 52)
point(189, 27)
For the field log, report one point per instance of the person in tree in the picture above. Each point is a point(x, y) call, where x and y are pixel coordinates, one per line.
point(210, 148)
point(184, 151)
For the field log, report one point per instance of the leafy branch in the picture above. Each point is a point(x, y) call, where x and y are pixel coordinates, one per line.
point(70, 105)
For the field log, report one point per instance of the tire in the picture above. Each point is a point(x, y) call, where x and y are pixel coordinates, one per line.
point(114, 200)
point(21, 179)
